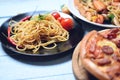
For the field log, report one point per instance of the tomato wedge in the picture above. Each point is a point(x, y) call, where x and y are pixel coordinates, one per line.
point(60, 19)
point(56, 15)
point(67, 23)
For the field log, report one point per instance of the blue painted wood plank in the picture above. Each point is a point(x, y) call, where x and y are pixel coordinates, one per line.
point(19, 69)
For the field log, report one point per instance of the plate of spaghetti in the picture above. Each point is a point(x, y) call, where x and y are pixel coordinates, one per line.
point(39, 34)
point(103, 13)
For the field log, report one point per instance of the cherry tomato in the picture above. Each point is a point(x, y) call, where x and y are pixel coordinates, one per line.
point(60, 19)
point(67, 23)
point(56, 15)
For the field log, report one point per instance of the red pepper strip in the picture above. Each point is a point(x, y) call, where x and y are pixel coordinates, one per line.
point(9, 29)
point(26, 18)
point(9, 39)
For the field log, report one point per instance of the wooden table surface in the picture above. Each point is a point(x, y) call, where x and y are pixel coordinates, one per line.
point(14, 67)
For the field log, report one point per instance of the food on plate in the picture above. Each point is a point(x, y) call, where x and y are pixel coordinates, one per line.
point(67, 23)
point(65, 9)
point(55, 15)
point(100, 11)
point(33, 32)
point(100, 53)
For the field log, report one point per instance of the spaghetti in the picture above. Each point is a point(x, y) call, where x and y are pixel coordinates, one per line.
point(40, 31)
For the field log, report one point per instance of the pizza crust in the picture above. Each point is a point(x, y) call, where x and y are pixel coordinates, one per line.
point(87, 63)
point(78, 69)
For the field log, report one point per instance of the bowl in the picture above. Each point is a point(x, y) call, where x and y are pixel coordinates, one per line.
point(76, 13)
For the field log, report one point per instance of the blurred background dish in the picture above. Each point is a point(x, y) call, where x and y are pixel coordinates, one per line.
point(76, 13)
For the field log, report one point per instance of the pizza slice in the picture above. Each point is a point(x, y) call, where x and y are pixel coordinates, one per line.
point(100, 53)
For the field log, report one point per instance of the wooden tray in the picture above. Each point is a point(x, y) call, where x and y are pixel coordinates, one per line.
point(79, 71)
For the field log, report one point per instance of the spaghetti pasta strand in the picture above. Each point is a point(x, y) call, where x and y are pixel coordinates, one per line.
point(34, 34)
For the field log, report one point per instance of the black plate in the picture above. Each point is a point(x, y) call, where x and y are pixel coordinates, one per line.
point(76, 34)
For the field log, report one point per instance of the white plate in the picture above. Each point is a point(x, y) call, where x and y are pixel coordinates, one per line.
point(75, 12)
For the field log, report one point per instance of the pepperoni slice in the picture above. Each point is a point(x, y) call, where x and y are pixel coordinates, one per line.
point(113, 33)
point(111, 36)
point(103, 61)
point(107, 50)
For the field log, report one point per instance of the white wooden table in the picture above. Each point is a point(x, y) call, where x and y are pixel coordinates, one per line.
point(12, 68)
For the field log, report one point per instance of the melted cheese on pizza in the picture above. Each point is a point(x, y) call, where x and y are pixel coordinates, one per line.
point(105, 53)
point(106, 42)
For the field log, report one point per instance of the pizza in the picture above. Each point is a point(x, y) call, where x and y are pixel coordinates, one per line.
point(100, 53)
